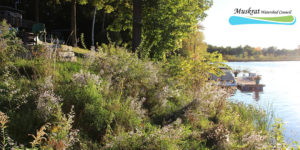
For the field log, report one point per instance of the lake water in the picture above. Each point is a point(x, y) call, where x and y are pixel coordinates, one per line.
point(282, 91)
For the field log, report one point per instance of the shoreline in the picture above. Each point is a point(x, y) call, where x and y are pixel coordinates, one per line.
point(258, 60)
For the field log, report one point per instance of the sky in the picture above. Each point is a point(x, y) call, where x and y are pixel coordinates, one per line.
point(219, 32)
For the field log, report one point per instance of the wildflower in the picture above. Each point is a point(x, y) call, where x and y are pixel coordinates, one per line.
point(3, 119)
point(54, 129)
point(47, 100)
point(82, 78)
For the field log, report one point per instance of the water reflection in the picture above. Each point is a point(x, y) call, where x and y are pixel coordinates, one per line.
point(248, 82)
point(256, 95)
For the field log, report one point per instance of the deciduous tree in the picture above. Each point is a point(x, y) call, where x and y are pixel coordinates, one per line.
point(73, 18)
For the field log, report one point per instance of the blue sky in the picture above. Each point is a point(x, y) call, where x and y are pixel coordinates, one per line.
point(219, 32)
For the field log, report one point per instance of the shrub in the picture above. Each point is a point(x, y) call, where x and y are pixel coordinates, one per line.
point(96, 108)
point(10, 45)
point(12, 93)
point(192, 74)
point(60, 133)
point(149, 137)
point(84, 92)
point(125, 70)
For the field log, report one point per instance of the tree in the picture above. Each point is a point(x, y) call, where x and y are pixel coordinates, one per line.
point(93, 27)
point(193, 46)
point(98, 5)
point(137, 26)
point(73, 24)
point(167, 22)
point(164, 22)
point(73, 18)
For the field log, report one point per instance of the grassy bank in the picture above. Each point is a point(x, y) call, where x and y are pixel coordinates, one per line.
point(112, 99)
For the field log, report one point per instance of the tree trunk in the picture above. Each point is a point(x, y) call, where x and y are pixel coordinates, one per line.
point(137, 27)
point(103, 23)
point(93, 27)
point(103, 36)
point(73, 24)
point(37, 11)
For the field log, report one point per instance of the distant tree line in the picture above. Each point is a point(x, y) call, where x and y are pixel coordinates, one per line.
point(255, 53)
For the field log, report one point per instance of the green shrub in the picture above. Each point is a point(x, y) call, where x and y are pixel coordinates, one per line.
point(84, 93)
point(125, 70)
point(95, 108)
point(149, 137)
point(10, 46)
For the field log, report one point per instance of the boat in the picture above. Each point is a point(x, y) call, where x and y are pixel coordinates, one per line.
point(226, 80)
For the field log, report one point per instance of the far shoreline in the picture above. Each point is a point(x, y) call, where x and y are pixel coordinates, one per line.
point(266, 60)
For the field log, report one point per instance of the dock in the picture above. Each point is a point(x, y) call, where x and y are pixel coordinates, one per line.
point(247, 85)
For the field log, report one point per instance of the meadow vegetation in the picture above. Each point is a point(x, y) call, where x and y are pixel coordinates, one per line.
point(111, 99)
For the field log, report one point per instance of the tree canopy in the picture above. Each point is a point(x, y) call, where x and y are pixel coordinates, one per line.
point(164, 23)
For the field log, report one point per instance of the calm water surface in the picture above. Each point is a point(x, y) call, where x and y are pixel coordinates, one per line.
point(282, 91)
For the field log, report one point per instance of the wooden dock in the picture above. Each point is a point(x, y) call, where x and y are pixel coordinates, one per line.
point(247, 85)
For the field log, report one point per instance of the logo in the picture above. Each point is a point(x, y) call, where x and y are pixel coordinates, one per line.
point(257, 16)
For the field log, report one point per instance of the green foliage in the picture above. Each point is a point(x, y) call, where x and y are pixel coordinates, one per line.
point(122, 16)
point(125, 69)
point(80, 50)
point(32, 69)
point(12, 94)
point(103, 4)
point(193, 46)
point(60, 133)
point(277, 135)
point(38, 51)
point(191, 72)
point(95, 107)
point(10, 46)
point(249, 125)
point(83, 93)
point(82, 40)
point(151, 137)
point(81, 2)
point(167, 22)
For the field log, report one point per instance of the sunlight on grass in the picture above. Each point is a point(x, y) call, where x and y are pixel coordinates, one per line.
point(80, 50)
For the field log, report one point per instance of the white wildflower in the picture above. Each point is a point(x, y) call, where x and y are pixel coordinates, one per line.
point(82, 78)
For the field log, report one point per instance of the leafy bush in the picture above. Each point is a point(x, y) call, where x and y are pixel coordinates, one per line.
point(12, 95)
point(95, 109)
point(151, 138)
point(60, 136)
point(10, 45)
point(125, 69)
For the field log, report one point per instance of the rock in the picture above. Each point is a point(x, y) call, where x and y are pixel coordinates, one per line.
point(67, 56)
point(66, 48)
point(65, 53)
